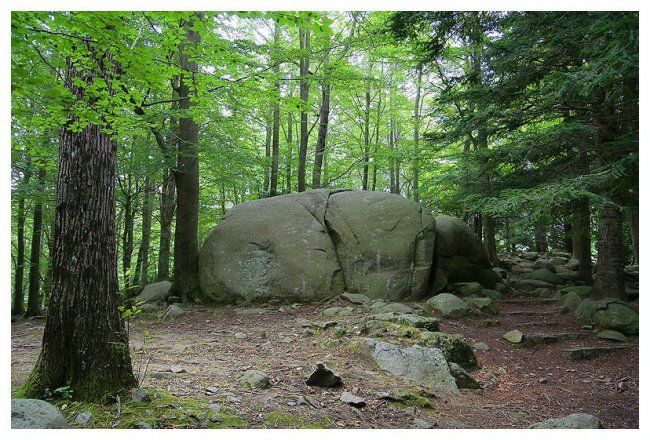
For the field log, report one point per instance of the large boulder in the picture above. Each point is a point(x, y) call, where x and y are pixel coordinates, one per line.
point(155, 293)
point(609, 314)
point(449, 305)
point(460, 256)
point(544, 275)
point(425, 365)
point(315, 245)
point(36, 414)
point(572, 421)
point(384, 243)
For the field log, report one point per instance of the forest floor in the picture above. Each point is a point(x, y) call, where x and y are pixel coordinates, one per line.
point(200, 355)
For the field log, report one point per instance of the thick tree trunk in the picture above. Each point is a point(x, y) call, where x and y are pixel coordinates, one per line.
point(323, 119)
point(142, 264)
point(167, 209)
point(582, 238)
point(541, 240)
point(304, 37)
point(609, 280)
point(127, 237)
point(416, 136)
point(289, 154)
point(19, 273)
point(267, 157)
point(85, 344)
point(568, 237)
point(489, 240)
point(186, 237)
point(34, 296)
point(632, 216)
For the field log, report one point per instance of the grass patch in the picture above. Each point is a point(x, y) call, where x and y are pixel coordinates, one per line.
point(164, 411)
point(278, 419)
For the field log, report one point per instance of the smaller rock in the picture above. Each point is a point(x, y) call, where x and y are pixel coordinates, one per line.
point(572, 421)
point(612, 335)
point(141, 425)
point(467, 289)
point(337, 311)
point(449, 305)
point(481, 346)
point(172, 312)
point(542, 380)
point(177, 369)
point(324, 377)
point(483, 305)
point(83, 419)
point(250, 312)
point(395, 308)
point(463, 378)
point(302, 322)
point(255, 379)
point(531, 256)
point(240, 335)
point(513, 336)
point(140, 395)
point(544, 264)
point(215, 407)
point(573, 264)
point(356, 298)
point(352, 400)
point(211, 390)
point(421, 424)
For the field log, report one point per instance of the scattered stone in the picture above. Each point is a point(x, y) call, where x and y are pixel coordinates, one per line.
point(579, 353)
point(558, 261)
point(546, 338)
point(612, 335)
point(302, 322)
point(573, 264)
point(423, 364)
point(513, 336)
point(306, 400)
point(490, 322)
point(542, 380)
point(622, 385)
point(449, 305)
point(356, 298)
point(240, 335)
point(467, 289)
point(337, 311)
point(544, 275)
point(572, 421)
point(483, 305)
point(609, 314)
point(544, 264)
point(542, 292)
point(255, 379)
point(395, 308)
point(83, 419)
point(421, 424)
point(215, 407)
point(211, 390)
point(492, 294)
point(352, 400)
point(530, 284)
point(160, 375)
point(177, 369)
point(325, 324)
point(463, 378)
point(174, 300)
point(141, 425)
point(454, 348)
point(571, 301)
point(530, 256)
point(172, 312)
point(424, 322)
point(481, 346)
point(324, 377)
point(140, 395)
point(569, 277)
point(36, 414)
point(501, 273)
point(155, 293)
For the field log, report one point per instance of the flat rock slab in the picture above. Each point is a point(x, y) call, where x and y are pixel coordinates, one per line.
point(579, 353)
point(530, 301)
point(540, 324)
point(517, 338)
point(572, 421)
point(36, 414)
point(531, 312)
point(324, 377)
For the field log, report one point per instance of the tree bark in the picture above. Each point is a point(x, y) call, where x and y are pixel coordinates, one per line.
point(304, 36)
point(541, 241)
point(127, 235)
point(186, 237)
point(416, 136)
point(323, 119)
point(267, 156)
point(489, 240)
point(85, 344)
point(142, 265)
point(34, 297)
point(289, 154)
point(19, 273)
point(582, 238)
point(568, 237)
point(632, 216)
point(609, 280)
point(275, 156)
point(167, 209)
point(366, 140)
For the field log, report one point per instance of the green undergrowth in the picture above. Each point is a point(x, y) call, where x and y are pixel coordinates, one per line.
point(278, 419)
point(164, 411)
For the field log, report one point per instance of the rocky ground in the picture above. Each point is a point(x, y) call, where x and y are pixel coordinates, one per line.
point(198, 365)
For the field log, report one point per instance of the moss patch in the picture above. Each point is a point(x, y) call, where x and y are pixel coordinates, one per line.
point(164, 411)
point(278, 419)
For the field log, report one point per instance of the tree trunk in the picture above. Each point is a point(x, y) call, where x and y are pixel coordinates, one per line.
point(323, 118)
point(267, 157)
point(541, 241)
point(34, 297)
point(416, 136)
point(127, 237)
point(609, 280)
point(19, 273)
point(85, 343)
point(275, 157)
point(186, 237)
point(142, 265)
point(304, 37)
point(289, 155)
point(632, 216)
point(568, 237)
point(582, 238)
point(489, 240)
point(167, 209)
point(366, 140)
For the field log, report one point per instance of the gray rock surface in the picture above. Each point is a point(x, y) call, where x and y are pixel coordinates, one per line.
point(155, 293)
point(544, 275)
point(422, 364)
point(449, 305)
point(255, 379)
point(36, 414)
point(572, 421)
